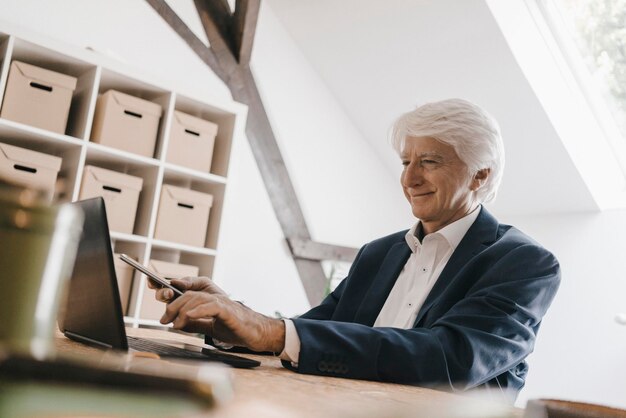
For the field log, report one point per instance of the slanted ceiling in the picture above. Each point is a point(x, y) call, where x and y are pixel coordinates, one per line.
point(381, 58)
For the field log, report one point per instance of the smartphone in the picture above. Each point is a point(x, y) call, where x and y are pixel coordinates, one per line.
point(152, 275)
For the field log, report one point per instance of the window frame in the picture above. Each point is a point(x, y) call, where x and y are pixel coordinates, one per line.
point(551, 14)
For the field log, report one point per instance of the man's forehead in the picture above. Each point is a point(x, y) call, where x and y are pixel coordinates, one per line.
point(421, 153)
point(425, 146)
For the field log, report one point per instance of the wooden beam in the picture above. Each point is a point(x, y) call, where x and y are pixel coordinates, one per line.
point(222, 5)
point(278, 184)
point(244, 27)
point(187, 35)
point(313, 279)
point(229, 58)
point(219, 12)
point(317, 251)
point(216, 21)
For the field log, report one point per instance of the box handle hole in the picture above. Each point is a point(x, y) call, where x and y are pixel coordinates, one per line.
point(183, 205)
point(24, 168)
point(129, 113)
point(192, 132)
point(112, 189)
point(40, 86)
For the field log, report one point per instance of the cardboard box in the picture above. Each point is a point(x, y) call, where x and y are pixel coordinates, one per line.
point(152, 308)
point(183, 216)
point(126, 122)
point(120, 193)
point(28, 168)
point(191, 142)
point(38, 97)
point(124, 274)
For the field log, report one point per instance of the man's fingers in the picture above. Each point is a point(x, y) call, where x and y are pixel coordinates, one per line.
point(180, 306)
point(205, 310)
point(214, 289)
point(171, 309)
point(182, 316)
point(153, 285)
point(200, 326)
point(164, 294)
point(191, 283)
point(203, 284)
point(180, 322)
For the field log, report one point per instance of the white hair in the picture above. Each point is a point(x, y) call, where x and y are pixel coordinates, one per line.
point(471, 131)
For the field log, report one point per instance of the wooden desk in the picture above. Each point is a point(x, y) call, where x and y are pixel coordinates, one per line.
point(273, 391)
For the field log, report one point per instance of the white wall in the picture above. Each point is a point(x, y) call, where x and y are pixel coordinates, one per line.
point(581, 350)
point(347, 197)
point(317, 140)
point(346, 194)
point(381, 58)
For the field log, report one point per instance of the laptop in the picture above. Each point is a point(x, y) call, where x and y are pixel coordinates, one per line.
point(93, 313)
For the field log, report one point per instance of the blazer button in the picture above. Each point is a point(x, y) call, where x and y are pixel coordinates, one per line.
point(333, 367)
point(322, 366)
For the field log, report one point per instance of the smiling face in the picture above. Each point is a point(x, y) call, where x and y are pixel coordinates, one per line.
point(437, 184)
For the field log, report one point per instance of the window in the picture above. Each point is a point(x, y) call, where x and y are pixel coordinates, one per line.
point(553, 51)
point(592, 37)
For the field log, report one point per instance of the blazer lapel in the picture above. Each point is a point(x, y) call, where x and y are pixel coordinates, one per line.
point(382, 284)
point(481, 235)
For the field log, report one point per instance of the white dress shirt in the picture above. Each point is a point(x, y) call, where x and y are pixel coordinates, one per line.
point(421, 271)
point(418, 276)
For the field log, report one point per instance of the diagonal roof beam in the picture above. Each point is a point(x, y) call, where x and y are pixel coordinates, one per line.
point(220, 16)
point(216, 19)
point(317, 251)
point(244, 26)
point(231, 37)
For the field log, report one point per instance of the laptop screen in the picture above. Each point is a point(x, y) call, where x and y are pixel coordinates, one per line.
point(93, 312)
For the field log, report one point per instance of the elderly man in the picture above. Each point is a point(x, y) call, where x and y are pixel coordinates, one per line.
point(454, 302)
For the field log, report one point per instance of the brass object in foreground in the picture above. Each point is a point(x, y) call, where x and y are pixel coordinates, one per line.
point(37, 249)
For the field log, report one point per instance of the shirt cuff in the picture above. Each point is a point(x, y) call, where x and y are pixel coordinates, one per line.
point(291, 352)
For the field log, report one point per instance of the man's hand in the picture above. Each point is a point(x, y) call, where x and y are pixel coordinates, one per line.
point(205, 308)
point(201, 284)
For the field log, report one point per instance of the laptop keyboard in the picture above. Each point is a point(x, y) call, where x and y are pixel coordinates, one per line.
point(164, 350)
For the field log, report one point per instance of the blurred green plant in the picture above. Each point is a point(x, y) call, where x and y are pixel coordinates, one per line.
point(598, 28)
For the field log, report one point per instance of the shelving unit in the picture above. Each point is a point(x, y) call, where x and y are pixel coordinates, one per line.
point(97, 74)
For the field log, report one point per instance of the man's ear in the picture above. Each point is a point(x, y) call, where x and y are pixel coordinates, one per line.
point(480, 178)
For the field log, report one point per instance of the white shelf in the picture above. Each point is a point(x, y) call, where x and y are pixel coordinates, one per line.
point(120, 236)
point(96, 74)
point(6, 49)
point(176, 172)
point(107, 154)
point(182, 247)
point(37, 138)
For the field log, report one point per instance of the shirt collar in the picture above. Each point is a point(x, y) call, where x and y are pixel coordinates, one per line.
point(452, 233)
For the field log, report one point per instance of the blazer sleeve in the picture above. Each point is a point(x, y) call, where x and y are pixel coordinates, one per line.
point(482, 335)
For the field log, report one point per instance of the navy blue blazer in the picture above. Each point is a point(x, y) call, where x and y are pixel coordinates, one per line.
point(475, 328)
